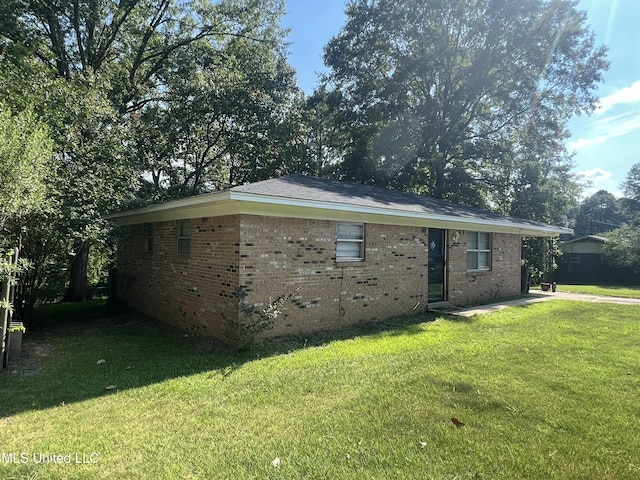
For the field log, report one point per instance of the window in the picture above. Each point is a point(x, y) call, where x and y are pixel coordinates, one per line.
point(148, 237)
point(184, 237)
point(350, 246)
point(573, 258)
point(478, 251)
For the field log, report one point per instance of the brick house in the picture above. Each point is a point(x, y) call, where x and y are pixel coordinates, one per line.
point(354, 253)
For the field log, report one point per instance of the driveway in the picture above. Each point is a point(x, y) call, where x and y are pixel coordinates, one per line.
point(539, 296)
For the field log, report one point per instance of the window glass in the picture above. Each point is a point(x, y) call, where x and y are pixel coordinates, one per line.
point(478, 251)
point(483, 241)
point(350, 231)
point(484, 260)
point(184, 237)
point(348, 250)
point(350, 244)
point(148, 237)
point(472, 240)
point(472, 261)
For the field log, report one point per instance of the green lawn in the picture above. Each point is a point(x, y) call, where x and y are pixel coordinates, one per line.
point(606, 290)
point(547, 391)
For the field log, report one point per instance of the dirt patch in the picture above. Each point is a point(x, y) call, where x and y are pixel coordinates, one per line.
point(40, 346)
point(33, 356)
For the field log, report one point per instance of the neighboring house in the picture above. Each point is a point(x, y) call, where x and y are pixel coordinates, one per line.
point(582, 262)
point(354, 253)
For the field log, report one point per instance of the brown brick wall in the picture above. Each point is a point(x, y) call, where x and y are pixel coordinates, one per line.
point(279, 255)
point(503, 280)
point(194, 292)
point(273, 256)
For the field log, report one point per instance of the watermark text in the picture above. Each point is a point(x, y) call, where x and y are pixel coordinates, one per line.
point(68, 458)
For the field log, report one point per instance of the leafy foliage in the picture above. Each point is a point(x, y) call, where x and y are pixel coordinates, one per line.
point(25, 162)
point(231, 119)
point(256, 321)
point(623, 247)
point(182, 93)
point(598, 213)
point(539, 254)
point(630, 204)
point(465, 100)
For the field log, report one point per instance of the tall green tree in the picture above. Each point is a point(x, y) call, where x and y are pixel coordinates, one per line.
point(26, 152)
point(324, 145)
point(623, 245)
point(460, 99)
point(25, 160)
point(630, 203)
point(598, 213)
point(623, 248)
point(97, 66)
point(230, 114)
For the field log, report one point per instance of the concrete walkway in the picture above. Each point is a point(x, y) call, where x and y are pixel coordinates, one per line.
point(539, 296)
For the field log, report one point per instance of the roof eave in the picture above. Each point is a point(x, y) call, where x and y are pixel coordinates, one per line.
point(230, 203)
point(342, 210)
point(191, 207)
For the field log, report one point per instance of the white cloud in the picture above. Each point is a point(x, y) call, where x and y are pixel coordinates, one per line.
point(625, 95)
point(595, 174)
point(581, 143)
point(609, 127)
point(597, 179)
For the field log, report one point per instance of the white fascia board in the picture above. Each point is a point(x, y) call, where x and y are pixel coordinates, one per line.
point(255, 204)
point(208, 205)
point(234, 203)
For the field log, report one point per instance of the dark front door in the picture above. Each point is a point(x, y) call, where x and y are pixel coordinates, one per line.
point(437, 261)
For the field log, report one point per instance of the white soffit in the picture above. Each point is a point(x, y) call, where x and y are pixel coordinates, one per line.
point(234, 203)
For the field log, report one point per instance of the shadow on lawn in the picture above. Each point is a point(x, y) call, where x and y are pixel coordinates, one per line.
point(77, 352)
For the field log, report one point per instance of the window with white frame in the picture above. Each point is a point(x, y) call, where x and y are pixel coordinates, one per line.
point(350, 245)
point(184, 237)
point(478, 251)
point(148, 237)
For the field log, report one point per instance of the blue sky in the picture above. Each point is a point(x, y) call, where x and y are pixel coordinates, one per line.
point(606, 144)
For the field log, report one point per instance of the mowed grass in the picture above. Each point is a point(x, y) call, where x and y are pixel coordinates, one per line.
point(547, 391)
point(605, 290)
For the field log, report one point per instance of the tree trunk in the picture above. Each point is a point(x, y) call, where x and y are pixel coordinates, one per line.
point(5, 308)
point(77, 291)
point(4, 323)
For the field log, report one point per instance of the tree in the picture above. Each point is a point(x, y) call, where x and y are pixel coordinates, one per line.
point(324, 145)
point(232, 119)
point(597, 214)
point(26, 151)
point(108, 61)
point(25, 155)
point(459, 99)
point(623, 247)
point(630, 203)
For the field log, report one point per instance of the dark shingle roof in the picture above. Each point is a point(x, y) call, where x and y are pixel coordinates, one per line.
point(586, 239)
point(304, 196)
point(302, 187)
